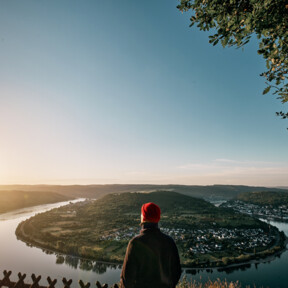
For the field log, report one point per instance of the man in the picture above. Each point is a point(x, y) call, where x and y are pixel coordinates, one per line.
point(152, 259)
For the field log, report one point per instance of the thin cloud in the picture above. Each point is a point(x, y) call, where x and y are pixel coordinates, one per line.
point(222, 167)
point(246, 162)
point(192, 166)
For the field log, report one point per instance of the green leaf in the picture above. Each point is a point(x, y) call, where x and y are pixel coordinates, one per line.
point(266, 90)
point(235, 21)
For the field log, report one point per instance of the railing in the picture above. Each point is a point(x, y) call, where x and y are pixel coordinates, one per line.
point(6, 282)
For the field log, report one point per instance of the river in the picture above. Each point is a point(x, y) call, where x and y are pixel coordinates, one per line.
point(16, 256)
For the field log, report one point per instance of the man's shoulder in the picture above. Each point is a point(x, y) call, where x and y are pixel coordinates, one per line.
point(135, 238)
point(167, 237)
point(158, 234)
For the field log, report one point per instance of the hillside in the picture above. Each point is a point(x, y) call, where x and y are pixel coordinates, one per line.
point(12, 200)
point(101, 229)
point(212, 192)
point(264, 198)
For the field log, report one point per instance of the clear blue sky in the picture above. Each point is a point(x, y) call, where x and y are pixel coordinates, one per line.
point(125, 92)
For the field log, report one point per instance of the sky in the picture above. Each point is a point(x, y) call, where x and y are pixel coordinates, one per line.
point(107, 92)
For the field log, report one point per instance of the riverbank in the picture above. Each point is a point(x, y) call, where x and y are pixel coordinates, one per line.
point(237, 265)
point(246, 259)
point(266, 255)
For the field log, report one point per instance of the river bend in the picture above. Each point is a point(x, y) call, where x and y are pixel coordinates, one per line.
point(17, 256)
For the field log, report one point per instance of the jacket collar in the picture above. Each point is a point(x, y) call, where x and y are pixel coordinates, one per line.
point(148, 225)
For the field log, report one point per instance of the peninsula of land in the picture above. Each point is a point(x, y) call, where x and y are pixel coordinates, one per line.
point(206, 236)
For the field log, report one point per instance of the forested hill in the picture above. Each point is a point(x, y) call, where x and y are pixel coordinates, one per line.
point(264, 198)
point(12, 200)
point(223, 192)
point(171, 202)
point(177, 210)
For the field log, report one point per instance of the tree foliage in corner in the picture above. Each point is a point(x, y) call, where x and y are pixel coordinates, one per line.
point(234, 22)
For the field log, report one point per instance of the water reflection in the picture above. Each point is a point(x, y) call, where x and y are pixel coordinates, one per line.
point(100, 268)
point(85, 264)
point(227, 270)
point(60, 259)
point(71, 261)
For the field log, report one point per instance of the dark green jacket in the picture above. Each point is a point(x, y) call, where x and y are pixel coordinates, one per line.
point(151, 261)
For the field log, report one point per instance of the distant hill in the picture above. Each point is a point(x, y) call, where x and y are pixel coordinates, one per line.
point(264, 198)
point(212, 192)
point(282, 187)
point(12, 200)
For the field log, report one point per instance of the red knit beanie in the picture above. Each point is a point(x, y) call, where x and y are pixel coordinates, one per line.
point(150, 212)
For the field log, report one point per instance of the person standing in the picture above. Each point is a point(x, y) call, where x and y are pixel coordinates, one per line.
point(152, 259)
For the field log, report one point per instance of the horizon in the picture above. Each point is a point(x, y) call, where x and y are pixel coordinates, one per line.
point(132, 184)
point(128, 93)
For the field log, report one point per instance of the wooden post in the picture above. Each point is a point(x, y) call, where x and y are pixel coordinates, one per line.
point(7, 283)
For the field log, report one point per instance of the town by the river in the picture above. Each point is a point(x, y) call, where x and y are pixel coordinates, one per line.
point(19, 257)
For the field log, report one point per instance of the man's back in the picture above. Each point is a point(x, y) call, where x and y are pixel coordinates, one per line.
point(151, 260)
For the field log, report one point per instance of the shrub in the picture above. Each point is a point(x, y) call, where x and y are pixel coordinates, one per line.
point(184, 283)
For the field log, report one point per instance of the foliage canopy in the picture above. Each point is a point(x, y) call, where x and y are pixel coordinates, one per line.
point(264, 198)
point(234, 22)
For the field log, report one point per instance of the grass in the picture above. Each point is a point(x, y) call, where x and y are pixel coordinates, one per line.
point(184, 283)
